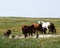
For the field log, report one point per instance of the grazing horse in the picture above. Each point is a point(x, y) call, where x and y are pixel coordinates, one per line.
point(7, 33)
point(28, 30)
point(47, 26)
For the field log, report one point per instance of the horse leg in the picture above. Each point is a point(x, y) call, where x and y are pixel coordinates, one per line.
point(52, 31)
point(34, 32)
point(37, 35)
point(55, 31)
point(25, 35)
point(44, 31)
point(31, 35)
point(49, 30)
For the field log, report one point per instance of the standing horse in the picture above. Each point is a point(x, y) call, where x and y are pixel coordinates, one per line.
point(47, 26)
point(38, 27)
point(28, 30)
point(52, 28)
point(7, 33)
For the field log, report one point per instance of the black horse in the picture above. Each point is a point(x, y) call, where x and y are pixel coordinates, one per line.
point(52, 28)
point(28, 30)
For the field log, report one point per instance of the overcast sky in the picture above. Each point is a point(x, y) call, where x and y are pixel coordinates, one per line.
point(30, 8)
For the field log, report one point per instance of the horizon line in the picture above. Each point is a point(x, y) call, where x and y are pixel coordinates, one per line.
point(29, 17)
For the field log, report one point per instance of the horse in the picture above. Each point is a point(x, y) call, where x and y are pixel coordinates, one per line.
point(52, 28)
point(7, 33)
point(47, 26)
point(28, 30)
point(39, 27)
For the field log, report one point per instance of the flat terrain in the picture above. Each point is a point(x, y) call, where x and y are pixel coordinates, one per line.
point(39, 36)
point(15, 24)
point(30, 43)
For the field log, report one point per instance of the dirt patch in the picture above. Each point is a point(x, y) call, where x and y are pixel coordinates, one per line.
point(39, 36)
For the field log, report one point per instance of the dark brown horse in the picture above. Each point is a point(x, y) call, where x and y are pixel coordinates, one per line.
point(7, 33)
point(28, 30)
point(52, 28)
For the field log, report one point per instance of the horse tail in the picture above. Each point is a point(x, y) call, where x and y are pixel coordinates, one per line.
point(54, 29)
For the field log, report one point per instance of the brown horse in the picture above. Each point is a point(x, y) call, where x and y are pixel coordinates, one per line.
point(52, 28)
point(39, 27)
point(28, 30)
point(7, 33)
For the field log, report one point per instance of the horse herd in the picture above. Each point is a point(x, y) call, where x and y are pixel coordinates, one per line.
point(36, 28)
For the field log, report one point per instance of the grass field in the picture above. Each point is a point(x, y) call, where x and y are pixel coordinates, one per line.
point(15, 25)
point(30, 43)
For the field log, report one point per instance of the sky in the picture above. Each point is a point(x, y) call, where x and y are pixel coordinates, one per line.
point(30, 8)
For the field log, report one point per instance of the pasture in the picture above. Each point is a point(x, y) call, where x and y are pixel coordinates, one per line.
point(15, 25)
point(30, 43)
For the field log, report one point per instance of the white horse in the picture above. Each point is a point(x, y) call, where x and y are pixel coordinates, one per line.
point(46, 25)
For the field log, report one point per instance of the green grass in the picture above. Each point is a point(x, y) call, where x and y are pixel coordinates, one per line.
point(15, 24)
point(30, 43)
